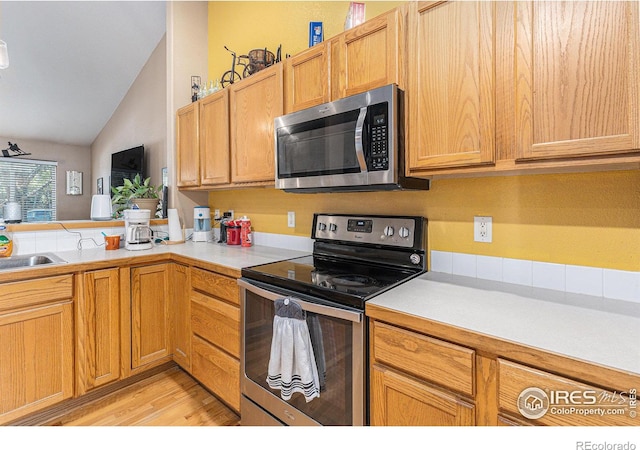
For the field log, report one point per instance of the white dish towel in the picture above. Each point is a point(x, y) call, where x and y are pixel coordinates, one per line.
point(292, 365)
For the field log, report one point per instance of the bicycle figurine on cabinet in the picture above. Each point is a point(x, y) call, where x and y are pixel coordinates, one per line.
point(255, 61)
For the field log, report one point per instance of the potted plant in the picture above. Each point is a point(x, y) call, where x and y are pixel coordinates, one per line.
point(136, 191)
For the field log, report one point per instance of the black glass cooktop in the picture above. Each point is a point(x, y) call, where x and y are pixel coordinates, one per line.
point(346, 282)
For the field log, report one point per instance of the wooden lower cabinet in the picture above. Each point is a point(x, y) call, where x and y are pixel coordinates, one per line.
point(422, 380)
point(418, 380)
point(180, 310)
point(216, 370)
point(150, 336)
point(36, 345)
point(97, 329)
point(215, 327)
point(550, 399)
point(398, 399)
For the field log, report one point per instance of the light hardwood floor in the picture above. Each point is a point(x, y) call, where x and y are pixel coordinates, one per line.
point(169, 398)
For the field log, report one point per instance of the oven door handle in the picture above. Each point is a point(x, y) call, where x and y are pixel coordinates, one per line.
point(330, 311)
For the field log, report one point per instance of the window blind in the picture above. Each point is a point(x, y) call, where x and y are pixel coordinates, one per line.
point(32, 184)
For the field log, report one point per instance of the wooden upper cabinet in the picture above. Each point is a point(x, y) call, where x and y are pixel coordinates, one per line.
point(214, 139)
point(255, 102)
point(306, 78)
point(576, 78)
point(188, 146)
point(450, 84)
point(368, 56)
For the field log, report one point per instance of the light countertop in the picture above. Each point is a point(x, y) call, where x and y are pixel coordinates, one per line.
point(598, 330)
point(234, 257)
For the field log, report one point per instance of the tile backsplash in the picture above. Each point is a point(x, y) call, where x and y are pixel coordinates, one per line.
point(608, 283)
point(27, 242)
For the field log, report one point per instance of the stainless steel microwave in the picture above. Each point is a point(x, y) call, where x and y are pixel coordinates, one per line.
point(351, 144)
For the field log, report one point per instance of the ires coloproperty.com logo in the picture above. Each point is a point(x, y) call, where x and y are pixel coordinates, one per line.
point(534, 403)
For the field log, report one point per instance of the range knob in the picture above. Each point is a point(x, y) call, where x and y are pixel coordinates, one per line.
point(403, 232)
point(333, 227)
point(322, 226)
point(388, 230)
point(415, 258)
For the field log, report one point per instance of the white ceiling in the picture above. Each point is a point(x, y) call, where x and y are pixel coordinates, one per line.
point(71, 63)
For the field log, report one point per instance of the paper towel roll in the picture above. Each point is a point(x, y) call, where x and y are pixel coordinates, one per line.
point(175, 230)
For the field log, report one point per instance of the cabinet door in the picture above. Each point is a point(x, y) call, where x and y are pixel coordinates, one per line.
point(255, 102)
point(450, 85)
point(398, 400)
point(306, 79)
point(36, 359)
point(214, 139)
point(368, 56)
point(98, 327)
point(576, 78)
point(149, 314)
point(181, 315)
point(188, 146)
point(218, 371)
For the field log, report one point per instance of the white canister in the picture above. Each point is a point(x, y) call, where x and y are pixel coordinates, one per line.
point(12, 212)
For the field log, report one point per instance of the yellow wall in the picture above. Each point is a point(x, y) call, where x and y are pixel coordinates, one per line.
point(583, 219)
point(244, 25)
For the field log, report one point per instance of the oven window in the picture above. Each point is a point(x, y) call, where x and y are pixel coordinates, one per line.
point(320, 147)
point(330, 337)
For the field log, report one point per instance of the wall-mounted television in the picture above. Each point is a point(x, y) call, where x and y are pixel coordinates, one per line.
point(127, 164)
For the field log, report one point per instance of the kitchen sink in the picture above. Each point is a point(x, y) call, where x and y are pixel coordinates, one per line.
point(33, 260)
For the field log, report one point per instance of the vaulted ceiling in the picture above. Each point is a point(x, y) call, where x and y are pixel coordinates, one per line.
point(71, 64)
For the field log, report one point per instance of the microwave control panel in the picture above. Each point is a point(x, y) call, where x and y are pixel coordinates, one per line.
point(378, 158)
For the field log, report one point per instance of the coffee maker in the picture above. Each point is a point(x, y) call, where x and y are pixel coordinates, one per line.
point(201, 224)
point(138, 235)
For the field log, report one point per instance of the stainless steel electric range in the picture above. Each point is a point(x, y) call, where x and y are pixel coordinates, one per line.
point(304, 351)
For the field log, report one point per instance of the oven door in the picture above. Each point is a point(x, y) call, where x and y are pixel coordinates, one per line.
point(337, 338)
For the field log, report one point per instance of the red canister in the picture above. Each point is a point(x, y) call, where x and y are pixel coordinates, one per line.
point(233, 233)
point(245, 232)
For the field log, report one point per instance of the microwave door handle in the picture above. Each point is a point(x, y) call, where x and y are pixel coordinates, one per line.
point(359, 130)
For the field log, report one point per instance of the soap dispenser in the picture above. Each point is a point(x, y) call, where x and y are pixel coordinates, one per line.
point(6, 243)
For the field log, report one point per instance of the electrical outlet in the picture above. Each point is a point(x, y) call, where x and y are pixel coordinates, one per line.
point(482, 229)
point(291, 219)
point(216, 214)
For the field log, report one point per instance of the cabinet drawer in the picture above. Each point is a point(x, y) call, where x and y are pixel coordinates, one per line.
point(557, 396)
point(21, 294)
point(219, 286)
point(219, 372)
point(217, 322)
point(443, 363)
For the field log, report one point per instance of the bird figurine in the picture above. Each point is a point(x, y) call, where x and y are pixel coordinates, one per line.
point(15, 149)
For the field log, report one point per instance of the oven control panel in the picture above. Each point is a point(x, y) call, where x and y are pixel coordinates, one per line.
point(396, 231)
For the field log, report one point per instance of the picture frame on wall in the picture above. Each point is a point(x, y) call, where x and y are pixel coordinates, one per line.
point(100, 188)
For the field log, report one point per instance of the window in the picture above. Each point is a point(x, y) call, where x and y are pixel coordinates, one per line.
point(32, 184)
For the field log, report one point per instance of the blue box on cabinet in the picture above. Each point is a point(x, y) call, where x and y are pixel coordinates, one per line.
point(316, 34)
